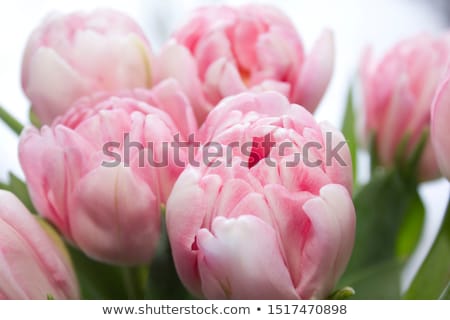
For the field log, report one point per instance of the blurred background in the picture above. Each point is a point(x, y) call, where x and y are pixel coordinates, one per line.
point(355, 23)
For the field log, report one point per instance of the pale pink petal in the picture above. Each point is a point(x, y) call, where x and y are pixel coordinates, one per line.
point(240, 259)
point(63, 85)
point(115, 216)
point(29, 255)
point(176, 62)
point(222, 79)
point(329, 241)
point(440, 138)
point(338, 165)
point(315, 73)
point(183, 221)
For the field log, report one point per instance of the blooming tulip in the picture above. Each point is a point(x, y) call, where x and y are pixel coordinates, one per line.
point(70, 56)
point(258, 225)
point(222, 51)
point(440, 115)
point(90, 172)
point(33, 263)
point(398, 93)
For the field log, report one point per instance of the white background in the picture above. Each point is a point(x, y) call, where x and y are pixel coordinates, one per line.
point(356, 24)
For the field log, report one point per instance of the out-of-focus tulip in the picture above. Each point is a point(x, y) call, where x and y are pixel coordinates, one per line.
point(398, 93)
point(33, 261)
point(263, 221)
point(222, 51)
point(440, 118)
point(101, 172)
point(70, 56)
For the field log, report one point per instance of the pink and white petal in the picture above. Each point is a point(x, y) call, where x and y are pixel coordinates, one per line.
point(241, 259)
point(291, 224)
point(329, 241)
point(172, 100)
point(222, 79)
point(61, 87)
point(315, 74)
point(28, 250)
point(106, 210)
point(244, 38)
point(273, 85)
point(210, 48)
point(187, 208)
point(440, 115)
point(339, 167)
point(175, 61)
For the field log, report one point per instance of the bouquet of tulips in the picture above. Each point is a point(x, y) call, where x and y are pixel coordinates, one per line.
point(199, 170)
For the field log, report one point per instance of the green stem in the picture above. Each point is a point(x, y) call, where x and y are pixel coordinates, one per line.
point(433, 278)
point(135, 280)
point(10, 121)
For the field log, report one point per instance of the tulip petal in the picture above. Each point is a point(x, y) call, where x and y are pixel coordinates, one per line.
point(63, 85)
point(184, 221)
point(440, 116)
point(315, 73)
point(27, 253)
point(176, 62)
point(240, 259)
point(115, 216)
point(329, 241)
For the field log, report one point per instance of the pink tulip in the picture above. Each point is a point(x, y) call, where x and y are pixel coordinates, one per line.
point(90, 172)
point(398, 93)
point(70, 56)
point(254, 226)
point(223, 51)
point(440, 116)
point(33, 263)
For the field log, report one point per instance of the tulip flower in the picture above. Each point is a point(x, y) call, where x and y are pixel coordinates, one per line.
point(440, 138)
point(33, 261)
point(70, 56)
point(258, 222)
point(398, 92)
point(222, 51)
point(101, 172)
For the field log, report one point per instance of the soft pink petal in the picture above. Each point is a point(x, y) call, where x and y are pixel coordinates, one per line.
point(28, 255)
point(440, 138)
point(315, 73)
point(240, 259)
point(115, 216)
point(329, 241)
point(176, 62)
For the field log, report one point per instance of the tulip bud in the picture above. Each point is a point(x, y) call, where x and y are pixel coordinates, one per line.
point(33, 263)
point(398, 93)
point(222, 51)
point(270, 218)
point(101, 172)
point(70, 56)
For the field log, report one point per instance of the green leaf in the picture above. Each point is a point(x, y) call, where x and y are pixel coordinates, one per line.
point(389, 216)
point(348, 129)
point(20, 189)
point(380, 281)
point(432, 279)
point(411, 228)
point(163, 283)
point(10, 121)
point(97, 280)
point(380, 208)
